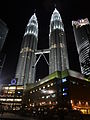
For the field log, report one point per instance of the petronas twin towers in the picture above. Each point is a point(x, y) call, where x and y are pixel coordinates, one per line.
point(58, 57)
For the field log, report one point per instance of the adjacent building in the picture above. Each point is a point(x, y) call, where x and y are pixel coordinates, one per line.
point(11, 97)
point(3, 33)
point(58, 57)
point(25, 72)
point(82, 37)
point(67, 90)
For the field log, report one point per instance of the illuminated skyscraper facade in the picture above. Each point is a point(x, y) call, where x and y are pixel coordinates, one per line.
point(82, 37)
point(25, 72)
point(58, 57)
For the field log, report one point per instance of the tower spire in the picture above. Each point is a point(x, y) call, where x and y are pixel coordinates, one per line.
point(33, 24)
point(55, 5)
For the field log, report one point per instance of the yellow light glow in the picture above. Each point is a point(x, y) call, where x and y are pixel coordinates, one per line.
point(2, 99)
point(10, 92)
point(19, 88)
point(9, 99)
point(12, 87)
point(6, 88)
point(48, 85)
point(43, 87)
point(18, 100)
point(51, 84)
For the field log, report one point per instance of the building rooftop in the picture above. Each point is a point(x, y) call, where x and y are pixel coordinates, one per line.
point(59, 74)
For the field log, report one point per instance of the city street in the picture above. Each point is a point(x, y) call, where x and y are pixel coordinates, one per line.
point(11, 116)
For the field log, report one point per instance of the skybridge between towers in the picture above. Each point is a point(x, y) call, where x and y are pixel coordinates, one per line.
point(41, 53)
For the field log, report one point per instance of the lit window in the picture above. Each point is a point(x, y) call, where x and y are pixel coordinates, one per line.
point(50, 91)
point(2, 99)
point(71, 101)
point(19, 88)
point(65, 89)
point(19, 92)
point(30, 91)
point(64, 80)
point(6, 88)
point(18, 100)
point(43, 96)
point(50, 103)
point(39, 79)
point(64, 94)
point(79, 102)
point(48, 85)
point(47, 96)
point(56, 102)
point(53, 95)
point(86, 103)
point(9, 99)
point(39, 88)
point(51, 84)
point(33, 90)
point(43, 87)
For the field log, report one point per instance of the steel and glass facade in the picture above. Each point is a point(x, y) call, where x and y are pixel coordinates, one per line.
point(25, 71)
point(58, 58)
point(82, 37)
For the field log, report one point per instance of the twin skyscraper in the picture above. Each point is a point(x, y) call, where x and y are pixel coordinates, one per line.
point(58, 56)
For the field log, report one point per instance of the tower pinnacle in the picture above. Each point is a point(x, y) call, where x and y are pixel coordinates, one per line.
point(32, 26)
point(56, 15)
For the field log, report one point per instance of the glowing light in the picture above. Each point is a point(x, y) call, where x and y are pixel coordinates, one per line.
point(2, 99)
point(20, 87)
point(50, 91)
point(50, 103)
point(43, 96)
point(64, 80)
point(51, 84)
point(39, 88)
point(39, 79)
point(9, 99)
point(43, 87)
point(71, 101)
point(44, 91)
point(12, 88)
point(6, 88)
point(47, 91)
point(64, 94)
point(48, 85)
point(65, 89)
point(18, 100)
point(19, 92)
point(81, 22)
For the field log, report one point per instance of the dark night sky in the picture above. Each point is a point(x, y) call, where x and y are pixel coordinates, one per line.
point(16, 14)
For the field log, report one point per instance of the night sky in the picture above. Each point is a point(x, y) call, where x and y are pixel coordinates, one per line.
point(16, 14)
